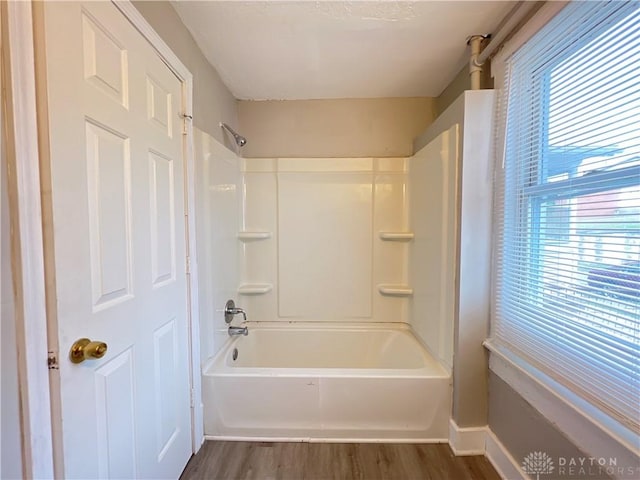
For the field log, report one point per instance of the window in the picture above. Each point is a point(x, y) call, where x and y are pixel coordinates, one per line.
point(568, 202)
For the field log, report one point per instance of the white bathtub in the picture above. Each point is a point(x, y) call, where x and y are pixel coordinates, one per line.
point(313, 382)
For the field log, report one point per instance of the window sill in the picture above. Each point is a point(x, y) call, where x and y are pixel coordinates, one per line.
point(587, 427)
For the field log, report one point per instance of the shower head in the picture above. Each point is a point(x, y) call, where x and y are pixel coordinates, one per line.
point(240, 140)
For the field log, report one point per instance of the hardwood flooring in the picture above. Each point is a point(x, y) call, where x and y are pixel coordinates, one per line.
point(347, 461)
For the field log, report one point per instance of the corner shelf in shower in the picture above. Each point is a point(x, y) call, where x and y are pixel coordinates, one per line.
point(395, 290)
point(250, 236)
point(396, 236)
point(254, 288)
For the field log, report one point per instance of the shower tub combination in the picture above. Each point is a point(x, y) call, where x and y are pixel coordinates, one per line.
point(319, 382)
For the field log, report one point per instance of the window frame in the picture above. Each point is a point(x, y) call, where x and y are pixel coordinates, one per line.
point(504, 361)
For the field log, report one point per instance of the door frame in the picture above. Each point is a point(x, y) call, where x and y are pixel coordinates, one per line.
point(27, 257)
point(40, 420)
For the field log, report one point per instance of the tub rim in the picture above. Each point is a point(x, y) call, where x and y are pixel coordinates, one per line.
point(436, 370)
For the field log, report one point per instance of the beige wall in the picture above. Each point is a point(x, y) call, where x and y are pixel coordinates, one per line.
point(459, 84)
point(212, 101)
point(522, 429)
point(377, 127)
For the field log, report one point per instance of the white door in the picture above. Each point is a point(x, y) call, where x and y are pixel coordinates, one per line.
point(116, 158)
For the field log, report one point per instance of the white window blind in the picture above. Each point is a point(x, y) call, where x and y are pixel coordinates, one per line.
point(567, 283)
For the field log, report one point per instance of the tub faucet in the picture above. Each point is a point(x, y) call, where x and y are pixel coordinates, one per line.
point(233, 331)
point(230, 311)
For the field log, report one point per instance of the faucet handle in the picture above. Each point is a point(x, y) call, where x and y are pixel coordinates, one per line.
point(230, 310)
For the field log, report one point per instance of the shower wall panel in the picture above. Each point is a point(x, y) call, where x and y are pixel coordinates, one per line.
point(433, 195)
point(258, 247)
point(324, 247)
point(313, 248)
point(218, 213)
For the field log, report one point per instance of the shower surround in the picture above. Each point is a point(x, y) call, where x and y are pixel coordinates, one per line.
point(358, 252)
point(353, 240)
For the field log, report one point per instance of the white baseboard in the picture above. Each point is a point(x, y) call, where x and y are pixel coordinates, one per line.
point(501, 459)
point(240, 438)
point(466, 441)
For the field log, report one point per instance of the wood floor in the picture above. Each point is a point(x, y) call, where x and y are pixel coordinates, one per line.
point(366, 461)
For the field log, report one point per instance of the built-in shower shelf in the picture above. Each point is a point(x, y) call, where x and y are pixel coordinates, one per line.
point(249, 236)
point(395, 290)
point(396, 236)
point(254, 288)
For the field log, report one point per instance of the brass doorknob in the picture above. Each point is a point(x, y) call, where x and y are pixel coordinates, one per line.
point(85, 349)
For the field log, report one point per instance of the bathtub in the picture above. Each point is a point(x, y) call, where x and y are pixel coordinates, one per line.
point(318, 382)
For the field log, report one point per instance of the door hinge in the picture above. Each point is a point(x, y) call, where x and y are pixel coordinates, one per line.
point(185, 118)
point(52, 360)
point(188, 265)
point(192, 398)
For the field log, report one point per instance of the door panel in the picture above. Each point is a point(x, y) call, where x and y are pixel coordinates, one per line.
point(163, 248)
point(117, 179)
point(115, 406)
point(109, 202)
point(105, 60)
